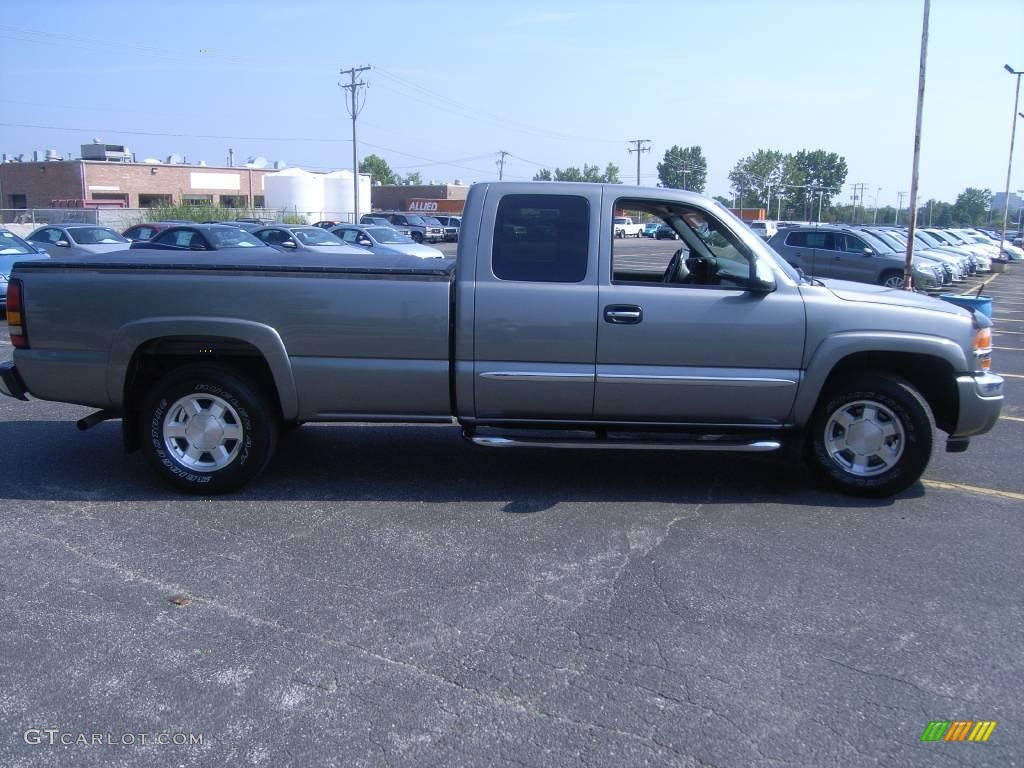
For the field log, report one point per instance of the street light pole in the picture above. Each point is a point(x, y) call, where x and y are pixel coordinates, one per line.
point(874, 218)
point(1009, 164)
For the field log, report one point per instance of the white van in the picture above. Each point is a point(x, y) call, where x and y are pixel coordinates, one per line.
point(765, 229)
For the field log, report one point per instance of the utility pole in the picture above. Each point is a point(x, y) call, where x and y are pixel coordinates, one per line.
point(1009, 164)
point(908, 271)
point(502, 154)
point(899, 206)
point(874, 218)
point(355, 106)
point(641, 146)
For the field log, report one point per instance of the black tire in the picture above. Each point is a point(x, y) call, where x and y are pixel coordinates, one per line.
point(417, 237)
point(253, 414)
point(911, 414)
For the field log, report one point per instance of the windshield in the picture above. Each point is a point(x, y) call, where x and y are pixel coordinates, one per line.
point(432, 221)
point(620, 221)
point(387, 235)
point(233, 238)
point(418, 220)
point(315, 236)
point(11, 244)
point(944, 237)
point(96, 236)
point(879, 245)
point(930, 240)
point(891, 240)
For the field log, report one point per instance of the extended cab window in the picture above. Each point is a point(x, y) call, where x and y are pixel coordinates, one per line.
point(691, 248)
point(541, 238)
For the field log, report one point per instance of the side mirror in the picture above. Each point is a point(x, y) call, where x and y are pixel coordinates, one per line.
point(289, 244)
point(197, 247)
point(63, 243)
point(364, 241)
point(762, 281)
point(869, 252)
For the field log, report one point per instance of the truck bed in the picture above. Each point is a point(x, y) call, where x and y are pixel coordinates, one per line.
point(339, 323)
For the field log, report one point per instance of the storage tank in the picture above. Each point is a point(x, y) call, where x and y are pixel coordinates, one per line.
point(339, 195)
point(295, 191)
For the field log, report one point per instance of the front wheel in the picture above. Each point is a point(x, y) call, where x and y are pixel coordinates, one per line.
point(872, 437)
point(207, 429)
point(417, 237)
point(892, 279)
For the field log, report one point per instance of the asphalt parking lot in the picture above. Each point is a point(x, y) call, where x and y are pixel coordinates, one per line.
point(395, 596)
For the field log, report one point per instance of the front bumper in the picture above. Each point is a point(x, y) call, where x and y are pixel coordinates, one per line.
point(10, 382)
point(981, 400)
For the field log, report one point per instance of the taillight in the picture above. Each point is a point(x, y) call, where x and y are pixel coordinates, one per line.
point(16, 314)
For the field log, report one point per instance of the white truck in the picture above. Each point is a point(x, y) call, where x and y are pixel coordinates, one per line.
point(624, 227)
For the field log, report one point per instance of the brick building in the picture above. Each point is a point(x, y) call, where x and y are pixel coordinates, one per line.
point(131, 185)
point(422, 198)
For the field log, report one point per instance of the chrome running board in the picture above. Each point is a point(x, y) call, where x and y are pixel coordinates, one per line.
point(755, 446)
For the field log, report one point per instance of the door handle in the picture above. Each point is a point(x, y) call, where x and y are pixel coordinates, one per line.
point(623, 314)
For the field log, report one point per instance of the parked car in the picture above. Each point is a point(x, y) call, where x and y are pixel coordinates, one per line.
point(1010, 251)
point(952, 272)
point(417, 228)
point(623, 226)
point(961, 263)
point(981, 253)
point(301, 238)
point(202, 237)
point(665, 232)
point(78, 239)
point(146, 230)
point(843, 253)
point(385, 241)
point(452, 225)
point(327, 224)
point(651, 228)
point(448, 234)
point(940, 243)
point(524, 341)
point(13, 249)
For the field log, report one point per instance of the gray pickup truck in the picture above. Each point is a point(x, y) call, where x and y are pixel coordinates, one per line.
point(545, 332)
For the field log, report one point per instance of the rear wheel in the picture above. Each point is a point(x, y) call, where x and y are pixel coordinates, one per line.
point(417, 237)
point(207, 429)
point(872, 437)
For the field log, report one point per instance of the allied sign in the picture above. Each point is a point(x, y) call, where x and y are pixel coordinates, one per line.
point(425, 205)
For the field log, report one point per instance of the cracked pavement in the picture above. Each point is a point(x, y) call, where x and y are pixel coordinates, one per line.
point(390, 596)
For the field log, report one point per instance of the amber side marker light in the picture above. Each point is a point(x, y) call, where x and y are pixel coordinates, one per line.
point(983, 347)
point(15, 314)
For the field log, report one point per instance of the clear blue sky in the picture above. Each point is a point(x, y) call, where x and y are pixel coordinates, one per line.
point(554, 83)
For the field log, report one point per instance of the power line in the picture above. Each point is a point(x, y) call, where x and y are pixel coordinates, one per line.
point(354, 107)
point(640, 146)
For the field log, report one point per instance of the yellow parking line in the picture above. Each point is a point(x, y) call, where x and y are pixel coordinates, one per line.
point(943, 486)
point(983, 283)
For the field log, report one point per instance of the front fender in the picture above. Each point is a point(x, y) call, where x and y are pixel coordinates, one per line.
point(129, 337)
point(833, 349)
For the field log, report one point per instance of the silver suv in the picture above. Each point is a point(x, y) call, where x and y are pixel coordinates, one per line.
point(848, 254)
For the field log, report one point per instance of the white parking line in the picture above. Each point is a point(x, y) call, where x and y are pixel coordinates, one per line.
point(1011, 376)
point(1011, 418)
point(1010, 349)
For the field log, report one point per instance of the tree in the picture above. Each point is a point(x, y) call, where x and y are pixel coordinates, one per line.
point(589, 173)
point(971, 205)
point(683, 168)
point(757, 176)
point(727, 202)
point(378, 169)
point(410, 180)
point(810, 172)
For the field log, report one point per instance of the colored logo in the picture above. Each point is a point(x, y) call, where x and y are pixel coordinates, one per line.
point(959, 730)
